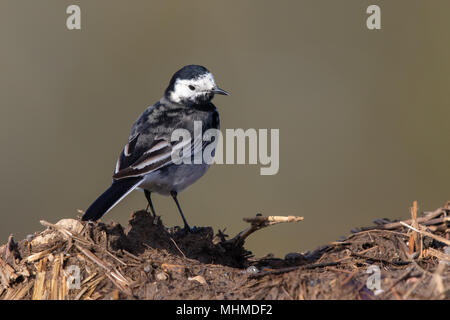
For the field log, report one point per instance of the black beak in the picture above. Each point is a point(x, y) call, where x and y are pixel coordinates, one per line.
point(220, 91)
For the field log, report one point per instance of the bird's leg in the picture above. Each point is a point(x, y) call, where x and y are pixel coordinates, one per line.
point(186, 225)
point(149, 204)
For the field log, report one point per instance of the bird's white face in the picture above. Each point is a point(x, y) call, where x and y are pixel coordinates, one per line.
point(193, 90)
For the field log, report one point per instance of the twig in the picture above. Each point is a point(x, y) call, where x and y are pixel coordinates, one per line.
point(70, 235)
point(178, 247)
point(131, 255)
point(115, 276)
point(289, 269)
point(66, 233)
point(39, 255)
point(398, 263)
point(429, 219)
point(270, 220)
point(260, 222)
point(426, 233)
point(414, 239)
point(437, 254)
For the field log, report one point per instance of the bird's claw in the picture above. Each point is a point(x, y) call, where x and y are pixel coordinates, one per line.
point(188, 229)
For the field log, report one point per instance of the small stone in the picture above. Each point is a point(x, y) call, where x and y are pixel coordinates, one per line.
point(43, 239)
point(161, 276)
point(71, 225)
point(314, 282)
point(252, 269)
point(199, 279)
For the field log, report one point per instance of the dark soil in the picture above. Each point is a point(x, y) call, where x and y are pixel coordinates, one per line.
point(149, 261)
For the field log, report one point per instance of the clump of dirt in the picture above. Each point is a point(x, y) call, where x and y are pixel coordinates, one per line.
point(76, 260)
point(145, 231)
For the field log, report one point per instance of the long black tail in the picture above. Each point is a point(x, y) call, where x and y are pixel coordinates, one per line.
point(116, 192)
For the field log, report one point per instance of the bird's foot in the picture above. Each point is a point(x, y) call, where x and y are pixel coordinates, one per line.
point(151, 211)
point(188, 229)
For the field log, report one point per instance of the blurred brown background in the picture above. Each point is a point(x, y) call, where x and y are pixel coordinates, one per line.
point(363, 115)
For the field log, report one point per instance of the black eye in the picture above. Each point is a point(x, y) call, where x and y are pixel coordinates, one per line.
point(192, 87)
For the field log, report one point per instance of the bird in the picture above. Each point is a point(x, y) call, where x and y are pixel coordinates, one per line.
point(146, 162)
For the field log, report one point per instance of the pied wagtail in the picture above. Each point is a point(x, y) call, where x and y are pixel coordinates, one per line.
point(146, 161)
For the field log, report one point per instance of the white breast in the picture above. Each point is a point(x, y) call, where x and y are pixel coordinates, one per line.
point(173, 178)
